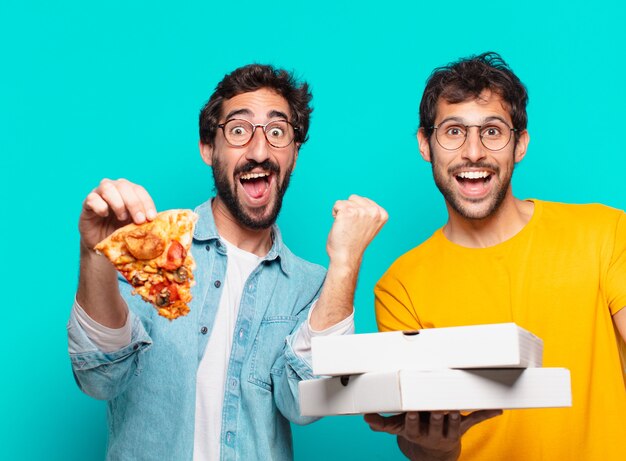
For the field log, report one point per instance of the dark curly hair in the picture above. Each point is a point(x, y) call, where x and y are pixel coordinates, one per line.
point(255, 77)
point(466, 79)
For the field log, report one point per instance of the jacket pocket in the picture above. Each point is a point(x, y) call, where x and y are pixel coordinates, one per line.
point(268, 351)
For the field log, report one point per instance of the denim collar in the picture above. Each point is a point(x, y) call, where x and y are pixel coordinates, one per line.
point(205, 230)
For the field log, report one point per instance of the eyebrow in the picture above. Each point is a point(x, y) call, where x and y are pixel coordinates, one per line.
point(232, 113)
point(460, 120)
point(277, 113)
point(270, 114)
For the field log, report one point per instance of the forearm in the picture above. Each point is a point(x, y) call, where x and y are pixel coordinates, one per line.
point(357, 221)
point(336, 300)
point(416, 453)
point(98, 292)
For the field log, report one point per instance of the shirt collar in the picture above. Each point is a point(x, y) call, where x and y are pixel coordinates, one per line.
point(206, 230)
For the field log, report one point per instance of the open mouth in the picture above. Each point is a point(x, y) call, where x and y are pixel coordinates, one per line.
point(474, 183)
point(256, 184)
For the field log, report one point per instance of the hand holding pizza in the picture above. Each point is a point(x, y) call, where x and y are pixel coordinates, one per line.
point(153, 255)
point(110, 206)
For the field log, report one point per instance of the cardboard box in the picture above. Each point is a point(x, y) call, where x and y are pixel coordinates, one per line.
point(425, 390)
point(480, 346)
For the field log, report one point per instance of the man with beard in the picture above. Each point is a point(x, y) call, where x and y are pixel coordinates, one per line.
point(557, 270)
point(220, 383)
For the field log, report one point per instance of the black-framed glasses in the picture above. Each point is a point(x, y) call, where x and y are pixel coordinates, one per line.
point(494, 135)
point(239, 132)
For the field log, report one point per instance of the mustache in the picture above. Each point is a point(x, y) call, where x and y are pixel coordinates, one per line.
point(477, 165)
point(266, 165)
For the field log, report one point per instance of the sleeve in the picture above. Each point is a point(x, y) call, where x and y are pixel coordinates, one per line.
point(106, 339)
point(616, 277)
point(105, 375)
point(302, 338)
point(393, 306)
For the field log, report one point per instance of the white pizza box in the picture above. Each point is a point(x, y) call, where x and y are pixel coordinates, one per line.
point(443, 389)
point(497, 345)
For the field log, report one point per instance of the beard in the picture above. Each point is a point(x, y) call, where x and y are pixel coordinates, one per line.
point(469, 208)
point(261, 217)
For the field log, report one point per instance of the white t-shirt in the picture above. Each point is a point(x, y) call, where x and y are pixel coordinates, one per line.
point(214, 364)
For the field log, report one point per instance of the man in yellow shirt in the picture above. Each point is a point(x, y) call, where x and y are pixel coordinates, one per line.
point(557, 270)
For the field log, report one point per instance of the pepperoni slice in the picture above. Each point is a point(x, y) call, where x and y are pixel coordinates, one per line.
point(176, 254)
point(174, 295)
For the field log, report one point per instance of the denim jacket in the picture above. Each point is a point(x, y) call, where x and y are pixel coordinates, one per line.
point(150, 385)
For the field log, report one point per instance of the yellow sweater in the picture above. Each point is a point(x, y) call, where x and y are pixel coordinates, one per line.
point(561, 277)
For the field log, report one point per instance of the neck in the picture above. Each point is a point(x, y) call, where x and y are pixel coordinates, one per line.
point(256, 241)
point(509, 219)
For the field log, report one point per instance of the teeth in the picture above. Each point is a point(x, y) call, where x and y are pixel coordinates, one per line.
point(473, 174)
point(254, 175)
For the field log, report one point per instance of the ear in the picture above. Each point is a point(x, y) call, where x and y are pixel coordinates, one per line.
point(206, 152)
point(521, 146)
point(423, 144)
point(295, 156)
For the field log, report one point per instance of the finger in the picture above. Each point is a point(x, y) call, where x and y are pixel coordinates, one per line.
point(374, 420)
point(354, 198)
point(384, 216)
point(391, 424)
point(354, 209)
point(378, 216)
point(132, 201)
point(95, 204)
point(412, 426)
point(109, 192)
point(371, 207)
point(454, 425)
point(363, 201)
point(146, 200)
point(339, 206)
point(357, 202)
point(136, 200)
point(477, 417)
point(435, 426)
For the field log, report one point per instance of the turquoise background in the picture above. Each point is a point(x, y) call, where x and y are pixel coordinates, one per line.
point(91, 90)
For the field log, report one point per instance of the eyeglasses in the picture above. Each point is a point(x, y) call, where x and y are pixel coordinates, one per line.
point(494, 135)
point(239, 132)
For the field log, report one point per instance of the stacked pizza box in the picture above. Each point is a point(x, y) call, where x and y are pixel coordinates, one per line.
point(495, 366)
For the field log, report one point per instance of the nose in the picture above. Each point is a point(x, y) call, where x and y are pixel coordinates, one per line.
point(473, 149)
point(258, 148)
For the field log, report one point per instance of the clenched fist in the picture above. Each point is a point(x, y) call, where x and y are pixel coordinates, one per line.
point(357, 221)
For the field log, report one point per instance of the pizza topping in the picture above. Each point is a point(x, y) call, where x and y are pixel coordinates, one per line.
point(161, 293)
point(181, 275)
point(157, 287)
point(174, 295)
point(175, 256)
point(151, 270)
point(165, 294)
point(123, 259)
point(163, 298)
point(143, 244)
point(137, 280)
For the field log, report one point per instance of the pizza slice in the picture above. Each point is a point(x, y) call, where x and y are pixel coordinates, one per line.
point(155, 259)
